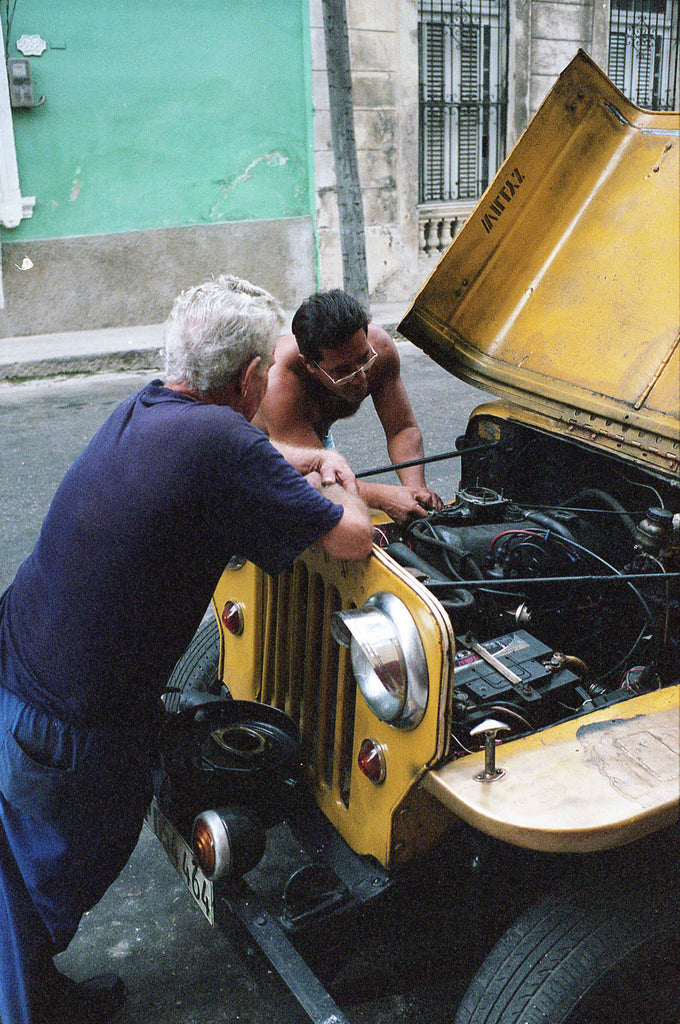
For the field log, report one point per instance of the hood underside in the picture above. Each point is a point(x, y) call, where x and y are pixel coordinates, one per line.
point(562, 291)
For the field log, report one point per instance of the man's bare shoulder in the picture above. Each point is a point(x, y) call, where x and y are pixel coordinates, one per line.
point(284, 374)
point(286, 353)
point(378, 335)
point(387, 364)
point(285, 401)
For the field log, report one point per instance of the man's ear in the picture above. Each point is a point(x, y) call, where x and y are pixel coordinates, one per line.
point(247, 373)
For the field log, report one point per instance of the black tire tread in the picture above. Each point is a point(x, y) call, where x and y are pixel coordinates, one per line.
point(559, 949)
point(198, 668)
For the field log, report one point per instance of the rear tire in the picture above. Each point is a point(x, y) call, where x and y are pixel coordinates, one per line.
point(197, 671)
point(586, 956)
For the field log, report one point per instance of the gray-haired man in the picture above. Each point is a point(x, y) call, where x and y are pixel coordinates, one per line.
point(174, 483)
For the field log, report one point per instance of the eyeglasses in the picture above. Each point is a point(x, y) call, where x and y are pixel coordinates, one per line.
point(350, 376)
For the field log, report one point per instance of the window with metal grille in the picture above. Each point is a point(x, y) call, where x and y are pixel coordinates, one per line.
point(643, 51)
point(463, 96)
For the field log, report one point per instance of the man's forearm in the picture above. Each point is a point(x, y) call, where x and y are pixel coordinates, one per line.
point(341, 496)
point(353, 535)
point(303, 459)
point(401, 503)
point(373, 494)
point(404, 446)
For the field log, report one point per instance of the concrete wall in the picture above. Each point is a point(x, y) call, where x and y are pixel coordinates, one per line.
point(559, 28)
point(384, 61)
point(160, 118)
point(383, 37)
point(130, 278)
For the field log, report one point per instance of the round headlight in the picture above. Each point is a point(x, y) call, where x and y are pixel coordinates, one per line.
point(388, 659)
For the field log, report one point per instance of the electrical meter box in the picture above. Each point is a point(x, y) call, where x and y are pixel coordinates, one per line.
point(20, 82)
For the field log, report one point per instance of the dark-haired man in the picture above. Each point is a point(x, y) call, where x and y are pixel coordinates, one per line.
point(323, 371)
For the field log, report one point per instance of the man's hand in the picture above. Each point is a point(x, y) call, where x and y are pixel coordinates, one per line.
point(401, 503)
point(406, 503)
point(427, 498)
point(329, 464)
point(334, 469)
point(314, 479)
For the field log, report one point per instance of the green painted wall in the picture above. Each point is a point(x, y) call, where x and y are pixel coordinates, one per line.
point(163, 113)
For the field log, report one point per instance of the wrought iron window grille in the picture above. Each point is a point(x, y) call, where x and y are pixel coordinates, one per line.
point(463, 96)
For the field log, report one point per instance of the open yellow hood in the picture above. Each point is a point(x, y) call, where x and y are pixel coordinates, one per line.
point(562, 291)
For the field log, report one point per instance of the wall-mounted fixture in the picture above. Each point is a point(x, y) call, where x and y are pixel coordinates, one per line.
point(21, 83)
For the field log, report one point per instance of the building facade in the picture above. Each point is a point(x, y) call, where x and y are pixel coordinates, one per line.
point(179, 140)
point(443, 89)
point(172, 144)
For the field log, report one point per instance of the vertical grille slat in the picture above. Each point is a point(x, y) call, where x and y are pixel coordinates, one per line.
point(328, 684)
point(270, 590)
point(282, 642)
point(309, 713)
point(344, 726)
point(305, 673)
point(297, 640)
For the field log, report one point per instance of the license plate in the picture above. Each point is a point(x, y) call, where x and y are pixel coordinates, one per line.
point(183, 860)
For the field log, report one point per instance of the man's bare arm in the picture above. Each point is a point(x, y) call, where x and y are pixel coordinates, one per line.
point(330, 465)
point(404, 443)
point(399, 502)
point(352, 537)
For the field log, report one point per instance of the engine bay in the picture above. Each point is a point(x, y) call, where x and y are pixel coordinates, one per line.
point(559, 572)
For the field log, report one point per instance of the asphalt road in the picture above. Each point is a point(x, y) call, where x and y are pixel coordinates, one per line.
point(405, 963)
point(44, 425)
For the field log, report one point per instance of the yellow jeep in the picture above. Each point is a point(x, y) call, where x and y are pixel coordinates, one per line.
point(507, 669)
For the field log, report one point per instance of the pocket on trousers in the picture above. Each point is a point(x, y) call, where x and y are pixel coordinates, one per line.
point(33, 787)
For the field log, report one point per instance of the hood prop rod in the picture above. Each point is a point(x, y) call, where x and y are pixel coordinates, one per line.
point(425, 461)
point(510, 582)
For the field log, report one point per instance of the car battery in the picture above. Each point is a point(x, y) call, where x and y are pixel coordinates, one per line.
point(523, 670)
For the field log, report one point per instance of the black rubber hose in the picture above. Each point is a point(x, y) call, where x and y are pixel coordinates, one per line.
point(610, 502)
point(551, 524)
point(456, 600)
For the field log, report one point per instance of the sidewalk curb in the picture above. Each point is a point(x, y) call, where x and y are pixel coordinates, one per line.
point(111, 350)
point(69, 366)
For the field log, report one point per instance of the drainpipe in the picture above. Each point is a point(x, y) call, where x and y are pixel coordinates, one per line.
point(350, 200)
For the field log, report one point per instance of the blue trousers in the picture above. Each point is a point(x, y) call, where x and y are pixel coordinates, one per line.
point(72, 804)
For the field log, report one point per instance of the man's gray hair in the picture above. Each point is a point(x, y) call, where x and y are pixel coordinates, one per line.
point(215, 329)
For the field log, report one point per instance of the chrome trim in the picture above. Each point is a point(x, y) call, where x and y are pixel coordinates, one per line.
point(220, 838)
point(404, 677)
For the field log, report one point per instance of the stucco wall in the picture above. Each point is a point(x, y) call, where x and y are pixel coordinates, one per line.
point(384, 61)
point(158, 117)
point(383, 35)
point(559, 28)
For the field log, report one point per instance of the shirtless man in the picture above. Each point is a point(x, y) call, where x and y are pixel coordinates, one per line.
point(322, 372)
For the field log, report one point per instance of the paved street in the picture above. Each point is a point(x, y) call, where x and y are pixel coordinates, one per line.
point(401, 965)
point(45, 424)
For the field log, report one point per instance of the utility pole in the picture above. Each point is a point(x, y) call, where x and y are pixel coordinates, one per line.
point(350, 205)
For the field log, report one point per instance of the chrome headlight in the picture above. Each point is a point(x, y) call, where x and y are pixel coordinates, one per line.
point(388, 658)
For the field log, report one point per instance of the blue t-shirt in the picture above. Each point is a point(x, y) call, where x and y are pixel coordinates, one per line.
point(131, 549)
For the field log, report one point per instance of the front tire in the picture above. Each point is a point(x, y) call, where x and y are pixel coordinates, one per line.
point(587, 955)
point(197, 671)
